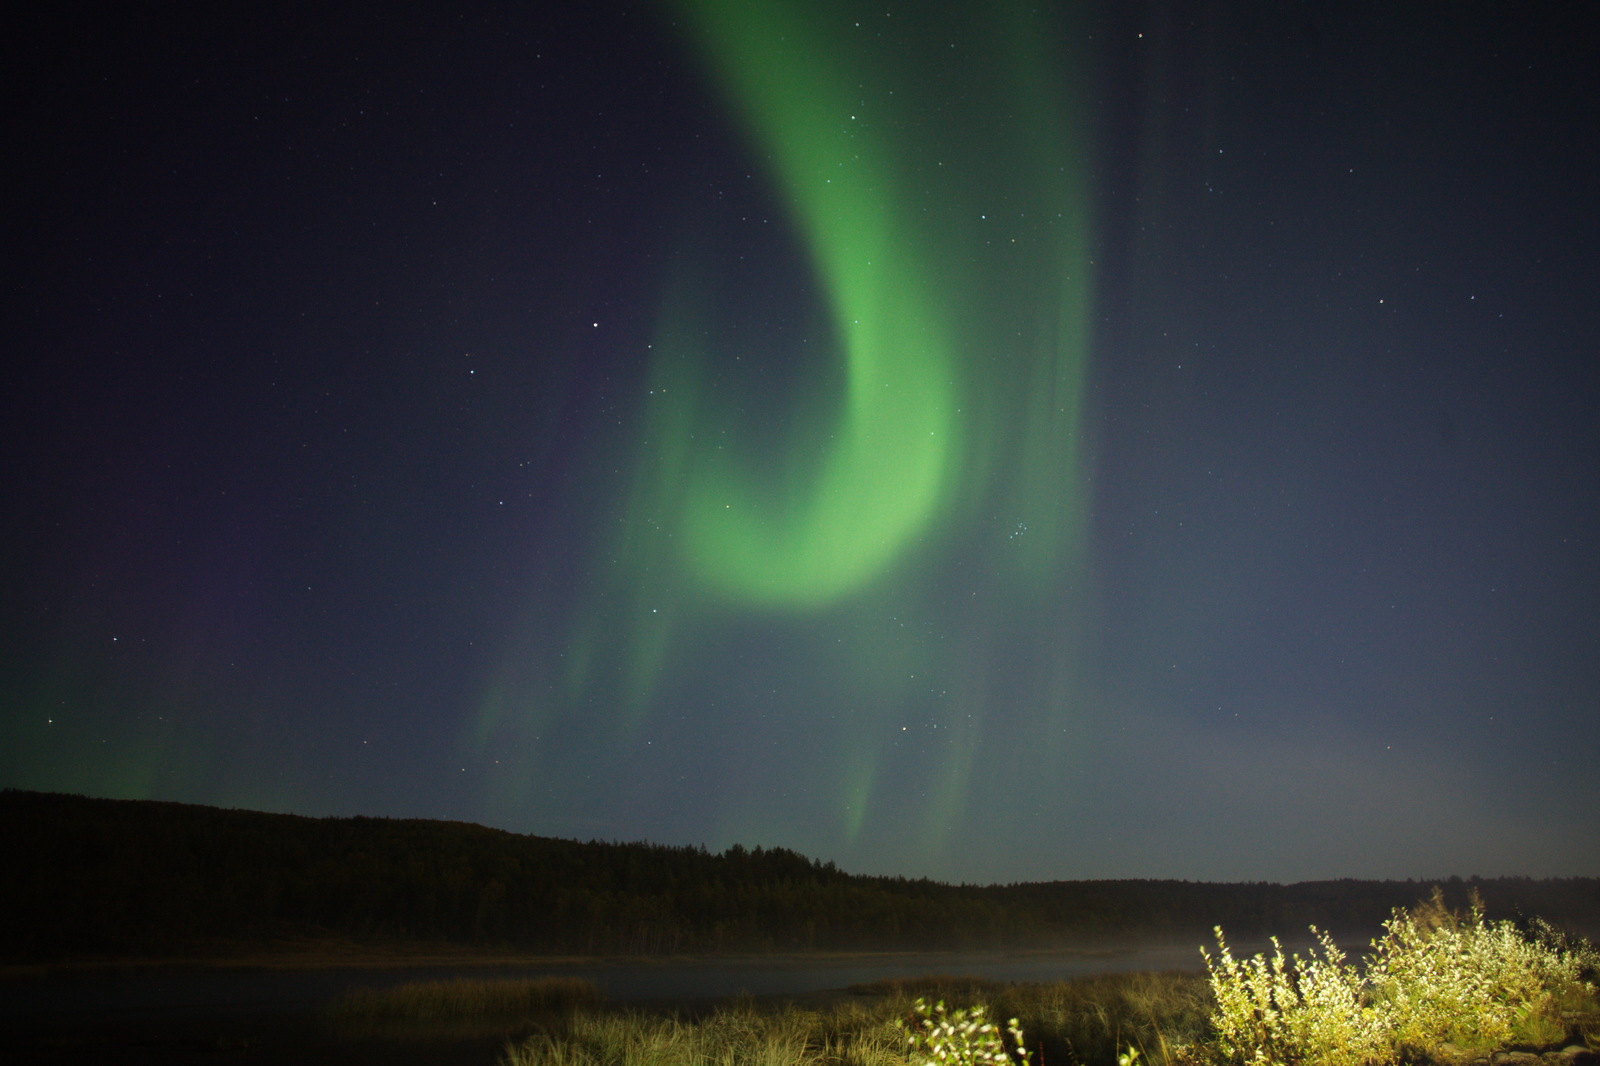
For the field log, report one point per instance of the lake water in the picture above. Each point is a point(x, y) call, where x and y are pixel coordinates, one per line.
point(157, 995)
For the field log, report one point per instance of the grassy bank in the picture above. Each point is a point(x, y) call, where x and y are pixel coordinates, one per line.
point(563, 1022)
point(1151, 1018)
point(1066, 1022)
point(1439, 987)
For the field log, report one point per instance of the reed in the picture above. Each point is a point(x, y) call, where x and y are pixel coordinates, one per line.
point(466, 1000)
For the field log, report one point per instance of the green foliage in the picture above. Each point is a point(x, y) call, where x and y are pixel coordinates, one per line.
point(1434, 980)
point(1275, 1011)
point(1461, 980)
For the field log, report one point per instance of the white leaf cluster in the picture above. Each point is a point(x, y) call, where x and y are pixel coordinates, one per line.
point(963, 1037)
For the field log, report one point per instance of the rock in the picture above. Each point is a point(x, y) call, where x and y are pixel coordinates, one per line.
point(1573, 1055)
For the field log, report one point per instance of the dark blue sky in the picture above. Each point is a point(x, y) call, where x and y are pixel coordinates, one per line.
point(366, 370)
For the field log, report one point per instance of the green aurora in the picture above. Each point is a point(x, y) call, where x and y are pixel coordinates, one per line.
point(975, 441)
point(913, 527)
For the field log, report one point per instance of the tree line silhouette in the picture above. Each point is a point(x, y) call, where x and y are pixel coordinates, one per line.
point(135, 877)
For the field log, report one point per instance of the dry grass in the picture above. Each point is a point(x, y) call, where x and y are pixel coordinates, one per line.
point(1084, 1021)
point(466, 1000)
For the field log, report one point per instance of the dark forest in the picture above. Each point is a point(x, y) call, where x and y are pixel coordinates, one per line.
point(132, 878)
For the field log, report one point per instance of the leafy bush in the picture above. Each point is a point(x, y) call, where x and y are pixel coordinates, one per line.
point(1463, 981)
point(1311, 1010)
point(1433, 979)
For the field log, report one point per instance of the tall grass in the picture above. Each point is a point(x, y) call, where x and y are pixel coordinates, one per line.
point(1096, 1019)
point(466, 1000)
point(1086, 1021)
point(735, 1036)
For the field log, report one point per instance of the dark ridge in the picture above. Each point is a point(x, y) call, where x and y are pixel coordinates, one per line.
point(137, 878)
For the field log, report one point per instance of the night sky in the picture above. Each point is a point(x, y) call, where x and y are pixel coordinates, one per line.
point(989, 441)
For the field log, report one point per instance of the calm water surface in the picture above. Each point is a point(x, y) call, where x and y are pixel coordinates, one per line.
point(158, 995)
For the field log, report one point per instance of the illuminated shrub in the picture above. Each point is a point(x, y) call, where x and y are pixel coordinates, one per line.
point(937, 1037)
point(1433, 979)
point(1282, 1011)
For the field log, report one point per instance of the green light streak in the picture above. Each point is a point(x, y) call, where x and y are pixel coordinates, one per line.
point(917, 208)
point(910, 547)
point(887, 469)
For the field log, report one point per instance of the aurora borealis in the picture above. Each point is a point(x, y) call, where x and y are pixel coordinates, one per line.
point(985, 442)
point(955, 410)
point(915, 303)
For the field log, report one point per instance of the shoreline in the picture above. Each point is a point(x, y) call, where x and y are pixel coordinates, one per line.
point(326, 956)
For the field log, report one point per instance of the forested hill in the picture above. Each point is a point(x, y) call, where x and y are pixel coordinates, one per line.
point(96, 877)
